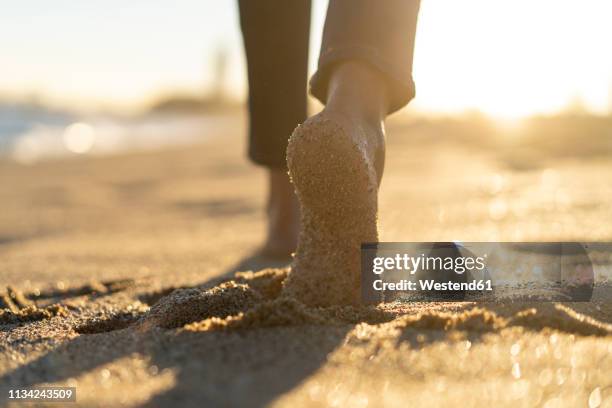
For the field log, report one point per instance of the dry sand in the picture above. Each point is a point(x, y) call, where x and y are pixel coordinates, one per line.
point(123, 284)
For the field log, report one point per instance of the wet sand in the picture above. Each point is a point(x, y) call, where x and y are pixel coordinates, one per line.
point(116, 267)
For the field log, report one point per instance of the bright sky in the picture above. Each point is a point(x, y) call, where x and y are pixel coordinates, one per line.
point(506, 58)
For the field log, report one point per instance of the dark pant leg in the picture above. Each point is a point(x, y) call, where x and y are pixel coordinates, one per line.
point(378, 32)
point(275, 35)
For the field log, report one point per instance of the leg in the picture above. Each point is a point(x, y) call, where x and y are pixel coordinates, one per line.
point(379, 34)
point(336, 158)
point(275, 34)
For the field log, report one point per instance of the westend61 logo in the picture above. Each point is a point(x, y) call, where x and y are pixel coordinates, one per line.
point(480, 271)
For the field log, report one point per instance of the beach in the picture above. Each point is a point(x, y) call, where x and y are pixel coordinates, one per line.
point(106, 238)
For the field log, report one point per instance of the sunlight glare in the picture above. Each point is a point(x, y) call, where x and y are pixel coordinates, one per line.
point(79, 137)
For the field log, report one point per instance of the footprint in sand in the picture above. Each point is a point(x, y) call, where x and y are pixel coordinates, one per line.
point(19, 307)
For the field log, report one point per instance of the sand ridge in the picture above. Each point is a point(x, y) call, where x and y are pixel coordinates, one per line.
point(252, 304)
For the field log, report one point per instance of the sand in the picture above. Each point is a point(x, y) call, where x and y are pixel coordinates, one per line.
point(115, 240)
point(234, 305)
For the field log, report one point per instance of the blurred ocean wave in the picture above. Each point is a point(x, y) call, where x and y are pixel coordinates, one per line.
point(29, 133)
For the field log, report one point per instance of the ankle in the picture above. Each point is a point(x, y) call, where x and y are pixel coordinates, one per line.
point(358, 91)
point(283, 207)
point(283, 215)
point(280, 191)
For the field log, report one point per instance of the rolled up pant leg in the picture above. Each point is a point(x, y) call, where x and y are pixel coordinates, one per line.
point(380, 33)
point(275, 35)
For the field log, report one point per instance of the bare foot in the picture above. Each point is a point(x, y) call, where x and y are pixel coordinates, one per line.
point(283, 216)
point(336, 160)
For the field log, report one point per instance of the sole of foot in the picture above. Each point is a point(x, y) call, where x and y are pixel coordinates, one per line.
point(336, 184)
